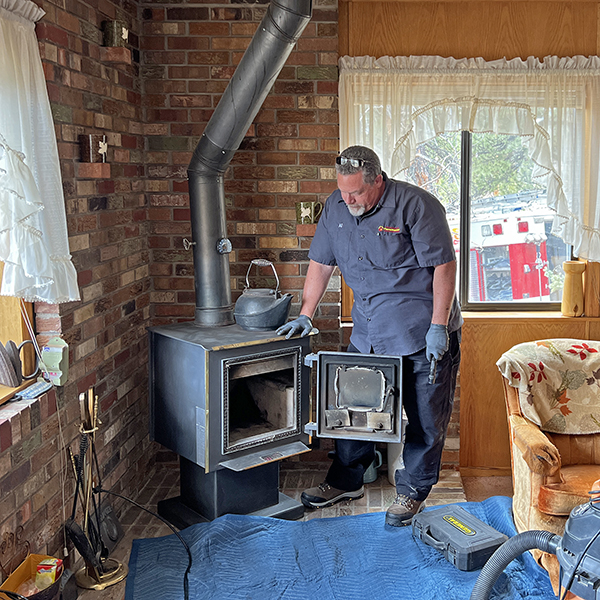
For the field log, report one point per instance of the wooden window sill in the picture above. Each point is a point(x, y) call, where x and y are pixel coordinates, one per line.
point(6, 393)
point(515, 316)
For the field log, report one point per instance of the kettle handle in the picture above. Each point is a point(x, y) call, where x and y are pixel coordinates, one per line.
point(262, 262)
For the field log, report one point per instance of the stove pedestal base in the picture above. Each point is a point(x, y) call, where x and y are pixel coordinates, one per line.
point(206, 496)
point(182, 516)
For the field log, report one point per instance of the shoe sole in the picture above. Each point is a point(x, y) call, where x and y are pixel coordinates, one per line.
point(345, 496)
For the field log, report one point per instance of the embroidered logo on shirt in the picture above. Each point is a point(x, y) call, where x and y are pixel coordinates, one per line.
point(383, 229)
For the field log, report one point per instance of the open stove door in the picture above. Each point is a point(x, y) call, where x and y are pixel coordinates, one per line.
point(359, 396)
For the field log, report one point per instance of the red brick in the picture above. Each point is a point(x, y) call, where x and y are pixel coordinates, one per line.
point(189, 72)
point(46, 31)
point(187, 43)
point(320, 159)
point(165, 58)
point(208, 58)
point(93, 170)
point(181, 186)
point(318, 131)
point(181, 214)
point(5, 435)
point(155, 100)
point(318, 187)
point(222, 72)
point(327, 87)
point(302, 58)
point(174, 310)
point(288, 130)
point(84, 277)
point(209, 28)
point(191, 101)
point(152, 43)
point(306, 230)
point(115, 55)
point(229, 43)
point(277, 158)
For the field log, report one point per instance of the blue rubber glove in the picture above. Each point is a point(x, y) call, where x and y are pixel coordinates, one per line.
point(437, 342)
point(302, 325)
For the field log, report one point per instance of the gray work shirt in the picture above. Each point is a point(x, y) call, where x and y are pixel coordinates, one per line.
point(387, 258)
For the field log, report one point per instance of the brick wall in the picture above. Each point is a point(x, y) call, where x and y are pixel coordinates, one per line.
point(189, 56)
point(128, 216)
point(92, 89)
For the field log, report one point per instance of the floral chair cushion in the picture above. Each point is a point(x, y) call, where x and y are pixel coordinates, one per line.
point(558, 382)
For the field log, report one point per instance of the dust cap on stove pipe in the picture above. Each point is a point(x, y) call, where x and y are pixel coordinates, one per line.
point(270, 47)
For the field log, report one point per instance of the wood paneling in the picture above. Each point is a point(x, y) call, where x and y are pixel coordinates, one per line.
point(347, 302)
point(484, 446)
point(12, 326)
point(491, 30)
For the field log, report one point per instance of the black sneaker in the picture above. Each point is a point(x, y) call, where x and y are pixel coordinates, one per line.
point(324, 495)
point(402, 510)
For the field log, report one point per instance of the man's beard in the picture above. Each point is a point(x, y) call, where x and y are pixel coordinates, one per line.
point(356, 211)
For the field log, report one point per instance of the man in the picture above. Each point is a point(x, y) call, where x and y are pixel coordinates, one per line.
point(392, 243)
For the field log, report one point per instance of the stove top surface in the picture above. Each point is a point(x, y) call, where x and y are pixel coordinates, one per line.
point(217, 338)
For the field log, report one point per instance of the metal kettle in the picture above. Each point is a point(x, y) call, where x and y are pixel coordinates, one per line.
point(262, 309)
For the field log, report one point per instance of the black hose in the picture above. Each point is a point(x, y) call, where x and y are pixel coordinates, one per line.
point(515, 546)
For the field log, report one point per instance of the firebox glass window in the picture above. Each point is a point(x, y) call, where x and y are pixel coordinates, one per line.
point(498, 216)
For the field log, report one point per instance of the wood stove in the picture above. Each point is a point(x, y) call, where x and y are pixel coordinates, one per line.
point(231, 403)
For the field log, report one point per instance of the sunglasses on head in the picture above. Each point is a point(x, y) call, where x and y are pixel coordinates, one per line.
point(353, 162)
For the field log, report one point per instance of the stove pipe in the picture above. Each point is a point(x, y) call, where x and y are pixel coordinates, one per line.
point(263, 60)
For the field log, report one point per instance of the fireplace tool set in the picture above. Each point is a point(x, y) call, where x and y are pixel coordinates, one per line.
point(100, 571)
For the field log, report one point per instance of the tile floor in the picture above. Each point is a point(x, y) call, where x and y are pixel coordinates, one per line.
point(294, 477)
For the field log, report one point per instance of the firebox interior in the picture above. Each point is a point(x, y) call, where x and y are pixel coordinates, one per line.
point(260, 400)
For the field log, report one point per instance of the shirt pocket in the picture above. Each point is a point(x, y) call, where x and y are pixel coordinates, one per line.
point(342, 243)
point(388, 249)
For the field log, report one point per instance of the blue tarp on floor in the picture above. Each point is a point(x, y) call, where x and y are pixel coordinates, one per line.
point(344, 558)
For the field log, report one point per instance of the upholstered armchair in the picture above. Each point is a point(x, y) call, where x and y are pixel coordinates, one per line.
point(552, 391)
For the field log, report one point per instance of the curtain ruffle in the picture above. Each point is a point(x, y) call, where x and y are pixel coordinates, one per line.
point(30, 271)
point(33, 230)
point(394, 104)
point(434, 65)
point(24, 9)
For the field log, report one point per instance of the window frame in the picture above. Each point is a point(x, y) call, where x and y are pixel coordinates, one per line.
point(466, 143)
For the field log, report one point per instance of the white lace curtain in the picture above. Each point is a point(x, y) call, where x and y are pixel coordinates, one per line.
point(393, 104)
point(33, 228)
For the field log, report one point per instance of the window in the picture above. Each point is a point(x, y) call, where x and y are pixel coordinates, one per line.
point(508, 253)
point(510, 148)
